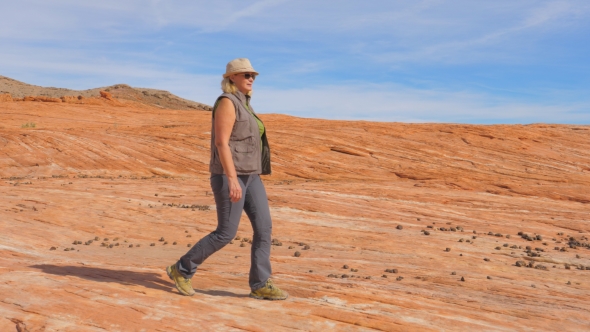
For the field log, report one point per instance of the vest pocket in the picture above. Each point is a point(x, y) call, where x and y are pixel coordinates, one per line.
point(243, 153)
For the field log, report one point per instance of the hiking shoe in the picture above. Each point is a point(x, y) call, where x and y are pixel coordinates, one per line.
point(269, 292)
point(183, 284)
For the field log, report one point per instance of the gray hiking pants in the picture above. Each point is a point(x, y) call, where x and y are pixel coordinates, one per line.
point(255, 202)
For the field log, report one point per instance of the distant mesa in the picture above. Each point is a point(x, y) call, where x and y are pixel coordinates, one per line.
point(13, 90)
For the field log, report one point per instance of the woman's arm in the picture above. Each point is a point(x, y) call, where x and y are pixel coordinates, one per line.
point(225, 116)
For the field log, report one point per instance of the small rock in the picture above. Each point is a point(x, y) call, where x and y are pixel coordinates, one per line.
point(354, 270)
point(231, 242)
point(188, 235)
point(53, 248)
point(453, 273)
point(106, 239)
point(426, 233)
point(474, 237)
point(161, 239)
point(569, 283)
point(152, 244)
point(137, 245)
point(174, 243)
point(384, 276)
point(238, 238)
point(462, 279)
point(111, 245)
point(297, 254)
point(242, 244)
point(130, 246)
point(400, 278)
point(331, 275)
point(306, 247)
point(460, 240)
point(96, 238)
point(448, 249)
point(310, 271)
point(67, 249)
point(116, 239)
point(498, 248)
point(486, 259)
point(165, 242)
point(346, 276)
point(489, 277)
point(345, 267)
point(505, 245)
point(186, 231)
point(188, 245)
point(399, 227)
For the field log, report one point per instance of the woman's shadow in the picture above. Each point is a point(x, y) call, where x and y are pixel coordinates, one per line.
point(124, 277)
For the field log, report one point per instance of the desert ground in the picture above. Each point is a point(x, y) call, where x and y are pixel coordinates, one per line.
point(399, 227)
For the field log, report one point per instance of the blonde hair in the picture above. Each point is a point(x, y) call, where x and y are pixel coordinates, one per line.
point(228, 86)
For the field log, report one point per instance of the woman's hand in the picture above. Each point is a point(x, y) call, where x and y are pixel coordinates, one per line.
point(235, 190)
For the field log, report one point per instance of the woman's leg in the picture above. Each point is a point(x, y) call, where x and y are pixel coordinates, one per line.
point(228, 219)
point(256, 207)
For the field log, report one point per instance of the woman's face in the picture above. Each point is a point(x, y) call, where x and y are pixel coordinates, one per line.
point(242, 83)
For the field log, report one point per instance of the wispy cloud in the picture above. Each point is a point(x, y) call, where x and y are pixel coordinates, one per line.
point(419, 60)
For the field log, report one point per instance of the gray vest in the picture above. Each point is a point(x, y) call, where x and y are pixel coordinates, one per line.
point(248, 154)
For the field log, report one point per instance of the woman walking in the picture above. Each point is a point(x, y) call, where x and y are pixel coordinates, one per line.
point(239, 154)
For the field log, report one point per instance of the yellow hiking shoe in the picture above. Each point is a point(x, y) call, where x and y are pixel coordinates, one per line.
point(269, 292)
point(183, 285)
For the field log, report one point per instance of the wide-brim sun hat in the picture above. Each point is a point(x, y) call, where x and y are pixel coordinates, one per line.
point(239, 65)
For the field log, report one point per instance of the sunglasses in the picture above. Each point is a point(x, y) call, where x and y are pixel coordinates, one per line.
point(249, 76)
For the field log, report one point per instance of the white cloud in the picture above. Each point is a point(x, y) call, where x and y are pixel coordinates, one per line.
point(391, 102)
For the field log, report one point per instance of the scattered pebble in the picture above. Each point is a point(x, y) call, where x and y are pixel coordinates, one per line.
point(188, 245)
point(498, 248)
point(53, 248)
point(453, 273)
point(291, 247)
point(486, 259)
point(161, 239)
point(165, 242)
point(242, 244)
point(462, 279)
point(106, 239)
point(448, 249)
point(426, 233)
point(188, 235)
point(238, 238)
point(96, 238)
point(399, 227)
point(137, 245)
point(297, 254)
point(384, 276)
point(400, 278)
point(152, 244)
point(306, 247)
point(174, 243)
point(130, 246)
point(345, 267)
point(489, 277)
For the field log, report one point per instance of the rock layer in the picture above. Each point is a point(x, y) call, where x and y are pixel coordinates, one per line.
point(106, 182)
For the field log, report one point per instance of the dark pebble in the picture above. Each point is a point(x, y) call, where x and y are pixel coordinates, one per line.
point(161, 239)
point(297, 254)
point(448, 249)
point(188, 245)
point(242, 244)
point(453, 273)
point(130, 246)
point(153, 244)
point(400, 227)
point(306, 247)
point(174, 243)
point(53, 248)
point(486, 259)
point(384, 276)
point(462, 279)
point(400, 278)
point(489, 277)
point(345, 267)
point(345, 276)
point(96, 238)
point(426, 233)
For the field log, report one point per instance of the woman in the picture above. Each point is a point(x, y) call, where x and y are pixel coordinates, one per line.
point(239, 154)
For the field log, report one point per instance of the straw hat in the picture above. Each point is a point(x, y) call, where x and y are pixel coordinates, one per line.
point(239, 65)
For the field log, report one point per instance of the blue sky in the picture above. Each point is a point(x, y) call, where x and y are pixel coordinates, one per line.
point(463, 61)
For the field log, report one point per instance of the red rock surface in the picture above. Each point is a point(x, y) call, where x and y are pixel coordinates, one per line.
point(133, 172)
